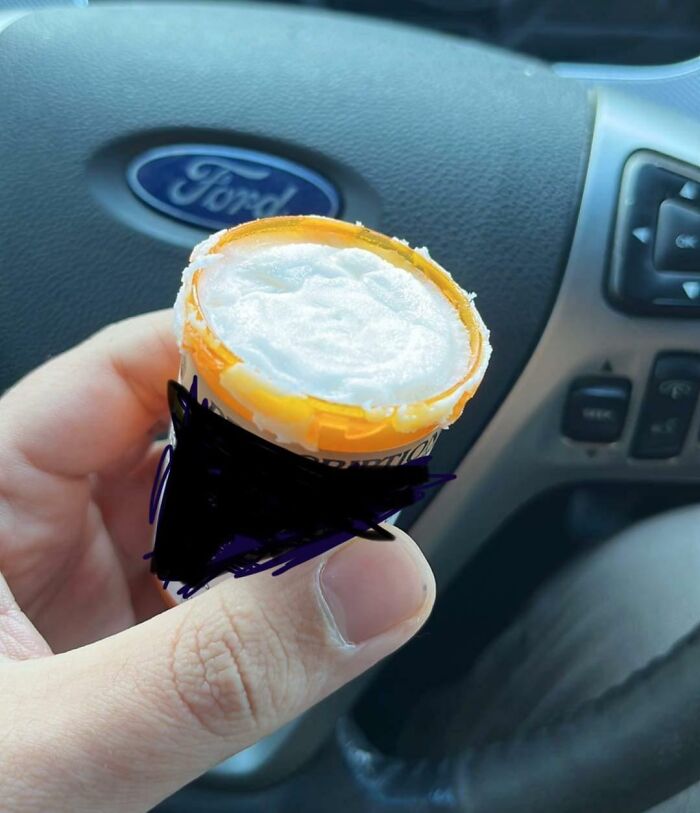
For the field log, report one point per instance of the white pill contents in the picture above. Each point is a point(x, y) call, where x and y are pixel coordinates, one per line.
point(341, 324)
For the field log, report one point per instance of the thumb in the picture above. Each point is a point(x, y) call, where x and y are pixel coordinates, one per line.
point(130, 719)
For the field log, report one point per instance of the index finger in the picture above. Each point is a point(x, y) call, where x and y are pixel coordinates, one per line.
point(82, 410)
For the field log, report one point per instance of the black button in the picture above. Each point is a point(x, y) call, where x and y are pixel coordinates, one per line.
point(596, 408)
point(653, 188)
point(677, 244)
point(668, 406)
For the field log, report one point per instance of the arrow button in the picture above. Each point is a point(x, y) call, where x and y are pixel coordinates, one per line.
point(643, 234)
point(692, 289)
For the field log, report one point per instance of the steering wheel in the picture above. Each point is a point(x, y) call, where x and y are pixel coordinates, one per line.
point(534, 190)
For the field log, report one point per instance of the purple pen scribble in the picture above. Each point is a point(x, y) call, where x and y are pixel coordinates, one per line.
point(227, 501)
point(159, 482)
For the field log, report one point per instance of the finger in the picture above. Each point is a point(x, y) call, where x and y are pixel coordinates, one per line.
point(19, 639)
point(139, 715)
point(87, 408)
point(124, 502)
point(145, 601)
point(91, 593)
point(124, 505)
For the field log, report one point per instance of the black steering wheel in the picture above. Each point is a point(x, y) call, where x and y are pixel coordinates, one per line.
point(534, 190)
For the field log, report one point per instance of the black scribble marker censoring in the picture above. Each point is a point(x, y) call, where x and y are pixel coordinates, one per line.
point(227, 500)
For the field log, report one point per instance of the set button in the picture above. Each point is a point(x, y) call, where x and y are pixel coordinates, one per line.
point(596, 408)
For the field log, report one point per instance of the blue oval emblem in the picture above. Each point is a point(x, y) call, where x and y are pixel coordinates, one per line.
point(216, 187)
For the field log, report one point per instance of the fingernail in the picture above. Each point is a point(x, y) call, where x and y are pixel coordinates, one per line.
point(371, 586)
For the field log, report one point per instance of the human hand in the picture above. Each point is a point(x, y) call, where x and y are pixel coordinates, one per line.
point(110, 704)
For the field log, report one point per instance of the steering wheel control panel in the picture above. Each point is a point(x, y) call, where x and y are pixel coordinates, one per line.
point(655, 266)
point(596, 407)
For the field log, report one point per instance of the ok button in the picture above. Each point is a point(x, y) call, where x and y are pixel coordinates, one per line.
point(677, 244)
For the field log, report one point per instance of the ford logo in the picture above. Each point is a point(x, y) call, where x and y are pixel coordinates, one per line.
point(216, 187)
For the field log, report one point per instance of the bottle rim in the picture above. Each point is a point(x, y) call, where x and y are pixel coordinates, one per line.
point(315, 423)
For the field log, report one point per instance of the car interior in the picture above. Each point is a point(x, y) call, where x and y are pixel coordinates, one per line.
point(548, 154)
